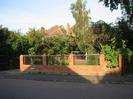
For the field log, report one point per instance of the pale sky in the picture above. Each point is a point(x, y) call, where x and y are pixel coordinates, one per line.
point(24, 14)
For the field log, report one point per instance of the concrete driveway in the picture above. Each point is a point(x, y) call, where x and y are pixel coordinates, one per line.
point(28, 89)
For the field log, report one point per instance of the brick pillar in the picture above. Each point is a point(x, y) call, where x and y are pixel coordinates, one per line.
point(21, 63)
point(44, 59)
point(103, 64)
point(71, 60)
point(120, 64)
point(102, 60)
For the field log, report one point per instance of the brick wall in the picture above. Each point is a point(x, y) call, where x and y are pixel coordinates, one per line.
point(100, 69)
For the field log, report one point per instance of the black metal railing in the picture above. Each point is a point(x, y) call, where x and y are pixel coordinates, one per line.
point(90, 59)
point(58, 60)
point(80, 59)
point(33, 59)
point(46, 60)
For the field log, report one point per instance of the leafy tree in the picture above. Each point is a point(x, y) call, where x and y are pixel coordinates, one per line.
point(8, 47)
point(125, 32)
point(58, 44)
point(4, 48)
point(126, 7)
point(103, 32)
point(21, 45)
point(69, 30)
point(82, 27)
point(41, 30)
point(35, 39)
point(31, 51)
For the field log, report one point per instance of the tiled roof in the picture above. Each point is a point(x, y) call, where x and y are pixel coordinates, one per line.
point(56, 30)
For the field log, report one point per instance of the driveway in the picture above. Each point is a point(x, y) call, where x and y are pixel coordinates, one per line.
point(30, 89)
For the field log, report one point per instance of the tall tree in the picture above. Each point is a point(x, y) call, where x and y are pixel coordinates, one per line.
point(82, 27)
point(126, 7)
point(101, 31)
point(125, 32)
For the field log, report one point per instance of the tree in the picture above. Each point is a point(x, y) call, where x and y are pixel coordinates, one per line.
point(69, 30)
point(125, 32)
point(4, 33)
point(103, 33)
point(82, 27)
point(4, 48)
point(10, 46)
point(126, 7)
point(21, 45)
point(41, 30)
point(124, 27)
point(35, 39)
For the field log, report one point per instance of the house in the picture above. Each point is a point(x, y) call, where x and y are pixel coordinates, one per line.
point(56, 30)
point(69, 30)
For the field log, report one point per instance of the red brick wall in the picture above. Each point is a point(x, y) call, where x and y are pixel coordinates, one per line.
point(73, 69)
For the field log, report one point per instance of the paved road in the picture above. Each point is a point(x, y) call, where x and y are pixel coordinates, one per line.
point(29, 89)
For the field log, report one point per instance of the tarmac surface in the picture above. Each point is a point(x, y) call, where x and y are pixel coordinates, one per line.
point(31, 89)
point(15, 85)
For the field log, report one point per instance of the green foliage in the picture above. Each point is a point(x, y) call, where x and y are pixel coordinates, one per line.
point(53, 60)
point(111, 56)
point(21, 45)
point(103, 33)
point(82, 28)
point(31, 51)
point(7, 38)
point(126, 52)
point(4, 47)
point(126, 33)
point(35, 39)
point(64, 62)
point(120, 46)
point(117, 46)
point(58, 44)
point(126, 7)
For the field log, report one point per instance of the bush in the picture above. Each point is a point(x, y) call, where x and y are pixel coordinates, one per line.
point(111, 56)
point(64, 62)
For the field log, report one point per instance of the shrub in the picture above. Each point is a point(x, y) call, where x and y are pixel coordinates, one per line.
point(111, 56)
point(64, 62)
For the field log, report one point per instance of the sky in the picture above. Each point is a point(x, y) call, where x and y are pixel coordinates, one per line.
point(24, 14)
